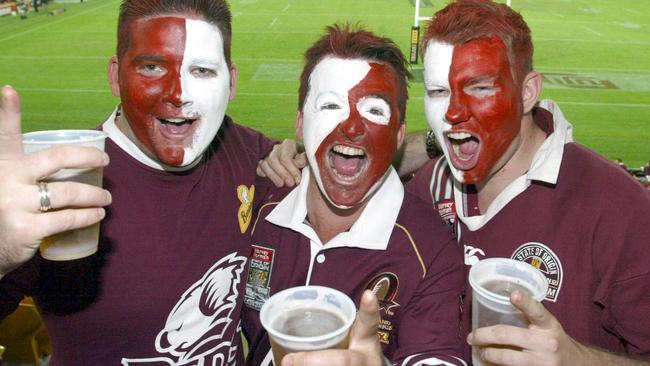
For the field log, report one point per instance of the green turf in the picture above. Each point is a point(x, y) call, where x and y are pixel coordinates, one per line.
point(595, 55)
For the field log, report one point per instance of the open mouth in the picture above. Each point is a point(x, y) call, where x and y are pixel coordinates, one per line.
point(465, 148)
point(176, 126)
point(347, 163)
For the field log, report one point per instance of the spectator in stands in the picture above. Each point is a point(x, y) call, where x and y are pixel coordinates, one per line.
point(350, 213)
point(174, 240)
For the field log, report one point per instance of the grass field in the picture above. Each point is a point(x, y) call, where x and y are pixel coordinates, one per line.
point(595, 55)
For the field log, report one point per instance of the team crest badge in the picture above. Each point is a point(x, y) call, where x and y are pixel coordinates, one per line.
point(258, 283)
point(245, 212)
point(543, 258)
point(385, 286)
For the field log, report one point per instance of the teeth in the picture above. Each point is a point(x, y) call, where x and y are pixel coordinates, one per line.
point(176, 120)
point(349, 151)
point(458, 135)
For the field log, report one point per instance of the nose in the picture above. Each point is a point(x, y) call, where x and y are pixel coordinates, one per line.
point(174, 92)
point(353, 128)
point(457, 110)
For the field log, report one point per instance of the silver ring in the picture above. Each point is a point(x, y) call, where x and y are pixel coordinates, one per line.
point(44, 195)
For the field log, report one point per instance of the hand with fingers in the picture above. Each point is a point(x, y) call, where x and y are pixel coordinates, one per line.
point(544, 342)
point(364, 348)
point(283, 164)
point(30, 209)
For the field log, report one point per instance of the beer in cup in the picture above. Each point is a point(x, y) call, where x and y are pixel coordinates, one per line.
point(307, 318)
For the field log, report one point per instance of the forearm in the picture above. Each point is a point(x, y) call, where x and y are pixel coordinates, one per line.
point(598, 357)
point(413, 153)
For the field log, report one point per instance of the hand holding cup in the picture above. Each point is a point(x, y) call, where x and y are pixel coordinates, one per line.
point(22, 223)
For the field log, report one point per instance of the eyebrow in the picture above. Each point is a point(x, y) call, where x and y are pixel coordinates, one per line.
point(481, 79)
point(152, 58)
point(380, 96)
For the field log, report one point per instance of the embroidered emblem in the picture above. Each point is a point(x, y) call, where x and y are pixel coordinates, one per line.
point(258, 283)
point(447, 211)
point(543, 258)
point(245, 213)
point(384, 286)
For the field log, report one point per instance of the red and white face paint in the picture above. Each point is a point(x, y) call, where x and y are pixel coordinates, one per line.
point(175, 85)
point(473, 105)
point(350, 127)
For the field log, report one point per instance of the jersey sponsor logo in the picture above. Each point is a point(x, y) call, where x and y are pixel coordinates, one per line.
point(543, 258)
point(447, 210)
point(196, 329)
point(258, 283)
point(245, 212)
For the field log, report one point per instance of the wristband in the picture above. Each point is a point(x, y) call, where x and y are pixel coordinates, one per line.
point(431, 146)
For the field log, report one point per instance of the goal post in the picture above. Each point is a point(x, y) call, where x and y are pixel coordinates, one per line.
point(415, 34)
point(415, 30)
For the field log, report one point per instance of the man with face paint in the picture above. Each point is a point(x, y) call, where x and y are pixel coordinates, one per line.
point(349, 224)
point(513, 184)
point(165, 286)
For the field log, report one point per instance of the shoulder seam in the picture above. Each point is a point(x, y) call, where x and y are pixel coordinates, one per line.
point(415, 248)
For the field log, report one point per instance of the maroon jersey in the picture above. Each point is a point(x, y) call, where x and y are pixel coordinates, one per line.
point(166, 284)
point(582, 221)
point(404, 254)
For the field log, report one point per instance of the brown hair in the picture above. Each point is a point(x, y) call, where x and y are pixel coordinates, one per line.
point(465, 20)
point(215, 12)
point(348, 42)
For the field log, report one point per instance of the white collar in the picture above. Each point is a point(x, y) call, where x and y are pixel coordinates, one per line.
point(371, 231)
point(544, 167)
point(132, 149)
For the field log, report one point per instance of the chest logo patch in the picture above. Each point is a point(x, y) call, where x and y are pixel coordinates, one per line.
point(245, 212)
point(543, 258)
point(258, 283)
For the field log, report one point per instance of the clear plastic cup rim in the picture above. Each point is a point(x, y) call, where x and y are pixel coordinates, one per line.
point(333, 335)
point(69, 137)
point(501, 299)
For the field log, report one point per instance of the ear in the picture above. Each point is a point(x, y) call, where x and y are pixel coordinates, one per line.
point(114, 75)
point(400, 135)
point(532, 87)
point(299, 135)
point(233, 81)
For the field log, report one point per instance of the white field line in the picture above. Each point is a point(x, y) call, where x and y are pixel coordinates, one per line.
point(592, 31)
point(32, 30)
point(633, 11)
point(273, 22)
point(293, 95)
point(286, 8)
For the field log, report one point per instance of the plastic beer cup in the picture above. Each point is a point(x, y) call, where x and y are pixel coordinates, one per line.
point(492, 280)
point(307, 318)
point(73, 244)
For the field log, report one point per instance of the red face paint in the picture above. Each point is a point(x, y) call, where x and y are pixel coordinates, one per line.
point(484, 102)
point(150, 86)
point(353, 157)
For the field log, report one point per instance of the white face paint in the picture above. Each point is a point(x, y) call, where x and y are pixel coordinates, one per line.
point(205, 81)
point(326, 104)
point(437, 63)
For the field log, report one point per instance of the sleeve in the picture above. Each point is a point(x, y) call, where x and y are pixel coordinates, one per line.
point(262, 144)
point(15, 286)
point(429, 331)
point(621, 248)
